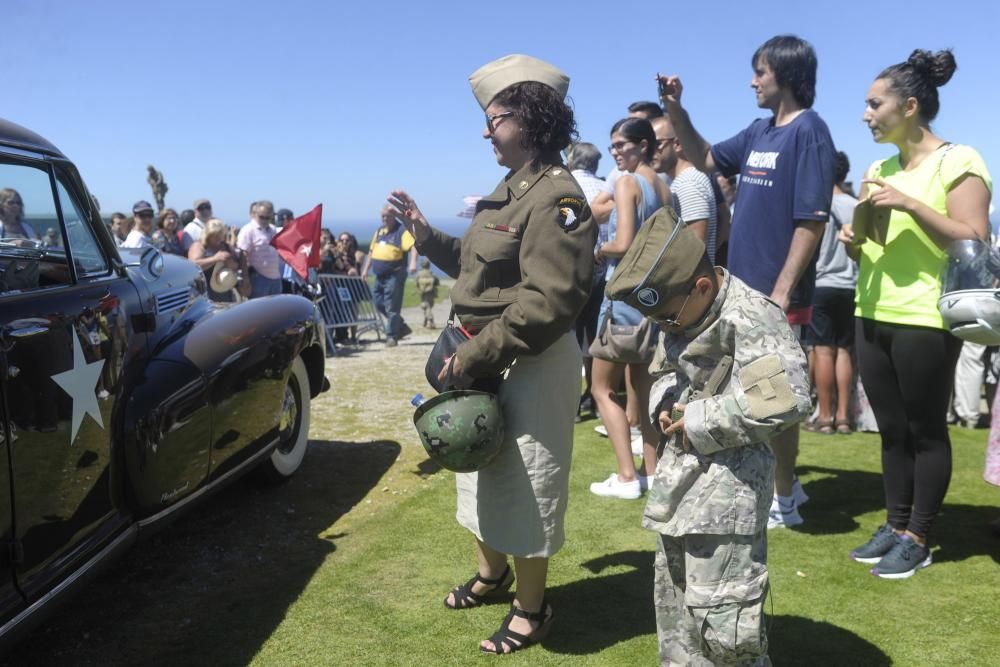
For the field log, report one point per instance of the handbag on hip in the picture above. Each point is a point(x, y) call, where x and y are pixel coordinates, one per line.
point(624, 343)
point(450, 338)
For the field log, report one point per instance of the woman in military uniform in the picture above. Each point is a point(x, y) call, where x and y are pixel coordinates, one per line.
point(523, 272)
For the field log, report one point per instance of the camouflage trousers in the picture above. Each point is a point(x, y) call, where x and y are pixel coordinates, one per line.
point(427, 305)
point(709, 593)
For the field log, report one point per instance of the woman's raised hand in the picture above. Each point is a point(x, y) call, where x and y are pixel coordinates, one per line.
point(409, 214)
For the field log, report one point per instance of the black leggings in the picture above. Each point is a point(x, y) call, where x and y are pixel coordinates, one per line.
point(907, 372)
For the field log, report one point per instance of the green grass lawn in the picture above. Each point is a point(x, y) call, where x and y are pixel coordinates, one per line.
point(378, 599)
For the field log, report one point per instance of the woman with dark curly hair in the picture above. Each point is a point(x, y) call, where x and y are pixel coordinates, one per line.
point(931, 193)
point(523, 272)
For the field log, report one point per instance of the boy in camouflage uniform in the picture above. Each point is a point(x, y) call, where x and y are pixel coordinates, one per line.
point(427, 284)
point(739, 378)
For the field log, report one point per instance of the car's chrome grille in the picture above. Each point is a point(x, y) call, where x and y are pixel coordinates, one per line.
point(172, 300)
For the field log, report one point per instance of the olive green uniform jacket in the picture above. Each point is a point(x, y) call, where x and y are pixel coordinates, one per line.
point(523, 267)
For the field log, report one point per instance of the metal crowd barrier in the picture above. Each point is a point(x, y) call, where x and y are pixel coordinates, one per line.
point(347, 304)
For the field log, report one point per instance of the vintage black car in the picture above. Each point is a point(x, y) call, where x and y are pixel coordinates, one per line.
point(125, 393)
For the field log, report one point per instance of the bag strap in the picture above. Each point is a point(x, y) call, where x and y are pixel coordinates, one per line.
point(719, 375)
point(642, 203)
point(947, 146)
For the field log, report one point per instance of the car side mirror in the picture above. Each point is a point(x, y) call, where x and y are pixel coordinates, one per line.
point(150, 263)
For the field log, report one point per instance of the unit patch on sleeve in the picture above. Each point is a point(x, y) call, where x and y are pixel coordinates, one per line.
point(570, 209)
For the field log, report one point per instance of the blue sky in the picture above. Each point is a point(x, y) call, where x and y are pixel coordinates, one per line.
point(307, 102)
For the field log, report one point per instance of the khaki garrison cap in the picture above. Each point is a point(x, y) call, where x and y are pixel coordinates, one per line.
point(659, 264)
point(491, 78)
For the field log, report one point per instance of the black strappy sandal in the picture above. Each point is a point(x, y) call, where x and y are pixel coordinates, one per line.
point(466, 599)
point(515, 641)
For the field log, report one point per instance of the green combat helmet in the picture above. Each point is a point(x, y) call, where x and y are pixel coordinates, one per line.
point(461, 430)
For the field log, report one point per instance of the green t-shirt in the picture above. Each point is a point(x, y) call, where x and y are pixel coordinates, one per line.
point(900, 282)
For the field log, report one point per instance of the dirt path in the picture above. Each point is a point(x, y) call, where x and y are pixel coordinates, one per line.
point(369, 402)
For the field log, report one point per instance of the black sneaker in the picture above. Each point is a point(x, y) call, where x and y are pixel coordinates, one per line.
point(903, 559)
point(878, 546)
point(404, 330)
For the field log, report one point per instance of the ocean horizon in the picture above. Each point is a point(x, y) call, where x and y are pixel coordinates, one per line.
point(365, 229)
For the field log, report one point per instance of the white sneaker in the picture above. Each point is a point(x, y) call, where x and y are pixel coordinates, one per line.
point(601, 429)
point(637, 445)
point(798, 493)
point(612, 487)
point(782, 516)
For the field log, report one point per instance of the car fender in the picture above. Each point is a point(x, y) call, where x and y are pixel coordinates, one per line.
point(201, 405)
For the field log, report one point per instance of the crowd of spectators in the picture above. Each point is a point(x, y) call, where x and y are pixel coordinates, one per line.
point(791, 238)
point(252, 266)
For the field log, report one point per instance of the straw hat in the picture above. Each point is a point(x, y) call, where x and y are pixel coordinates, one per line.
point(223, 278)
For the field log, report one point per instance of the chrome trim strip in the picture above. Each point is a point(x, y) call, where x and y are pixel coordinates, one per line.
point(266, 451)
point(129, 533)
point(172, 300)
point(24, 152)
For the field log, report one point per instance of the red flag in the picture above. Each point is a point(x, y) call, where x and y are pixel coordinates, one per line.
point(298, 241)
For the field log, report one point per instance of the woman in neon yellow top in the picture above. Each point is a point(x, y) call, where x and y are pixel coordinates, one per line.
point(931, 193)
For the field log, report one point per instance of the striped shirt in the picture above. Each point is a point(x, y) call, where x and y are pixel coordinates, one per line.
point(694, 199)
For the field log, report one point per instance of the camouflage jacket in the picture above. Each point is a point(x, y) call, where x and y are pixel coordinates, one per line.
point(426, 282)
point(724, 484)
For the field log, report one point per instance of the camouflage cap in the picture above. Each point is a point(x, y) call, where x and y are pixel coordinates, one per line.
point(491, 78)
point(659, 264)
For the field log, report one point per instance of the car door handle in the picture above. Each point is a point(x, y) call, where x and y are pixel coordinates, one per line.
point(98, 293)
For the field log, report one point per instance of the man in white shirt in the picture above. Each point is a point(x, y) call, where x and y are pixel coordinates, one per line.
point(142, 227)
point(194, 229)
point(254, 240)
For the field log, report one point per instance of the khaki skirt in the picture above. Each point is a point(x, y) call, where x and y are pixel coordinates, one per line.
point(517, 503)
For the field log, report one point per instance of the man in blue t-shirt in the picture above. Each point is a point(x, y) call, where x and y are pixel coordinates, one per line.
point(786, 168)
